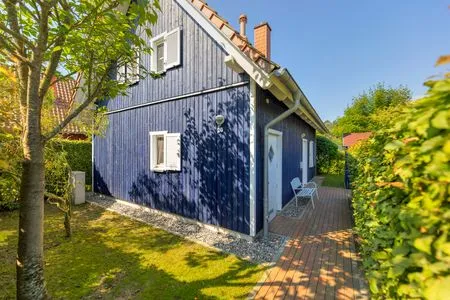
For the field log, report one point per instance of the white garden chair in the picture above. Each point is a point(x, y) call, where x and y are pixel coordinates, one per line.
point(302, 190)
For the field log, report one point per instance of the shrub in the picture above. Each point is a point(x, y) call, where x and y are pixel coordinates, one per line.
point(61, 156)
point(10, 169)
point(78, 155)
point(329, 159)
point(401, 201)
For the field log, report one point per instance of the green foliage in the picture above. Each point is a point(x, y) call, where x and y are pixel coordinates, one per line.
point(10, 168)
point(329, 159)
point(61, 156)
point(78, 155)
point(401, 201)
point(370, 110)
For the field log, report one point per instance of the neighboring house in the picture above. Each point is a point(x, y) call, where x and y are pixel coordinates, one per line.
point(63, 93)
point(191, 143)
point(351, 139)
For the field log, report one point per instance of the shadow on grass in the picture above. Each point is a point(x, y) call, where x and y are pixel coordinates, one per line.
point(110, 256)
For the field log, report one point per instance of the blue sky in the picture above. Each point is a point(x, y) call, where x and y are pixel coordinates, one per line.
point(336, 49)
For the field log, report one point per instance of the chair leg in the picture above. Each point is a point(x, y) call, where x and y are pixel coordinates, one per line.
point(317, 194)
point(296, 201)
point(312, 201)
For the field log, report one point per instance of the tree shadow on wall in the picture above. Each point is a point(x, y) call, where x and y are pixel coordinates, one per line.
point(213, 185)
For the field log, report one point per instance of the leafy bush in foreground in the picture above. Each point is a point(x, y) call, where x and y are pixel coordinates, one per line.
point(402, 201)
point(61, 156)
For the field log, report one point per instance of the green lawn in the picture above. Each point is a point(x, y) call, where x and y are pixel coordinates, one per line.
point(333, 181)
point(110, 256)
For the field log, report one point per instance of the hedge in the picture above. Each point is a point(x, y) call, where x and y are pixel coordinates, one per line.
point(10, 170)
point(61, 156)
point(401, 201)
point(79, 155)
point(329, 159)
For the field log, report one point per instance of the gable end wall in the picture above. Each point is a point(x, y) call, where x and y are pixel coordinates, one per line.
point(293, 127)
point(213, 185)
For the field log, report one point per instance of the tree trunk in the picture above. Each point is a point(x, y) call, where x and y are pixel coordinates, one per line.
point(30, 260)
point(67, 226)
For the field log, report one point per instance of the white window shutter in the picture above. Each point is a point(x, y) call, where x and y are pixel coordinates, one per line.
point(121, 75)
point(173, 49)
point(133, 70)
point(173, 151)
point(311, 153)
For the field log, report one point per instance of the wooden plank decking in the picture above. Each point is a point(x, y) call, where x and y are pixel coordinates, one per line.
point(319, 261)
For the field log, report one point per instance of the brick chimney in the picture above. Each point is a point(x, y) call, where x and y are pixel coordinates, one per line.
point(243, 25)
point(262, 38)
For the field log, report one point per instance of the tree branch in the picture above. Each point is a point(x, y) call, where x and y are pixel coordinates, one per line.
point(51, 69)
point(25, 7)
point(16, 35)
point(11, 52)
point(79, 109)
point(61, 78)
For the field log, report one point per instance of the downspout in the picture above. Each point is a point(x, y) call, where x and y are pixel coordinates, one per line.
point(278, 119)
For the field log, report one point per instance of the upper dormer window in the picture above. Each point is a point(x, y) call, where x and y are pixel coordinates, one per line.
point(130, 72)
point(166, 51)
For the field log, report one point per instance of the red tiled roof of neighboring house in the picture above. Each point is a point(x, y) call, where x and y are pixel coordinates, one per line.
point(241, 42)
point(63, 92)
point(353, 138)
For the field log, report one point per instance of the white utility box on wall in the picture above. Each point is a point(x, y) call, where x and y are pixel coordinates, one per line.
point(78, 184)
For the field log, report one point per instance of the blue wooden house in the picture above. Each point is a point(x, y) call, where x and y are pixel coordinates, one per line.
point(196, 141)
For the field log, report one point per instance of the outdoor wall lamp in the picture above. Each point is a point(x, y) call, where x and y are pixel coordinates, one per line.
point(303, 135)
point(219, 121)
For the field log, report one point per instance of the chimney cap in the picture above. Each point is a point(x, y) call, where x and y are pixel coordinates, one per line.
point(265, 23)
point(243, 18)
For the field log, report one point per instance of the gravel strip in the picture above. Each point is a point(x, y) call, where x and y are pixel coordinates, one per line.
point(292, 211)
point(258, 251)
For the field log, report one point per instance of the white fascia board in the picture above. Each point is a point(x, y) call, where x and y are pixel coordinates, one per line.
point(249, 66)
point(252, 158)
point(306, 108)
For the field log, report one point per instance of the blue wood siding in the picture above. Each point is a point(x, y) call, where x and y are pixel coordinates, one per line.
point(293, 127)
point(202, 62)
point(213, 186)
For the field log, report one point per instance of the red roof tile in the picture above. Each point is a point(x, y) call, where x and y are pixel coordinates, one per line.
point(241, 42)
point(353, 138)
point(63, 92)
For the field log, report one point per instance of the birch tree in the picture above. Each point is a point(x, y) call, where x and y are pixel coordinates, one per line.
point(48, 40)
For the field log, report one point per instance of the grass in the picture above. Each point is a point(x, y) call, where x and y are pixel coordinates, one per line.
point(110, 256)
point(333, 181)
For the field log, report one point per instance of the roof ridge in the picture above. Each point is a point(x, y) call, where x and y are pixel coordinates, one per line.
point(235, 37)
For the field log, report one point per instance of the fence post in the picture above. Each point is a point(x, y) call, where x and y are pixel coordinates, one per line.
point(346, 172)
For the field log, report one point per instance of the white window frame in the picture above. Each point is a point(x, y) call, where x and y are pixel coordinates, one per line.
point(153, 152)
point(311, 154)
point(124, 72)
point(162, 38)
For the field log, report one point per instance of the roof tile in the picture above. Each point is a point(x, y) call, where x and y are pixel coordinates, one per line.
point(353, 138)
point(240, 41)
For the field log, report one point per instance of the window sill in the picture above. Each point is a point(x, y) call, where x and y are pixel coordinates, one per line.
point(158, 169)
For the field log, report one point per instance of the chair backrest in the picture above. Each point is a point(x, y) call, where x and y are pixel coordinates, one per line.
point(296, 184)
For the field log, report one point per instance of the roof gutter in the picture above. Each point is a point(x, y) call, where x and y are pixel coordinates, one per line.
point(297, 95)
point(283, 77)
point(278, 119)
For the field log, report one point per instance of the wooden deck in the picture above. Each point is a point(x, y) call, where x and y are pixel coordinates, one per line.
point(319, 261)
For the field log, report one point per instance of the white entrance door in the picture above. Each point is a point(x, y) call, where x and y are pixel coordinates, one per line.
point(305, 161)
point(275, 159)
